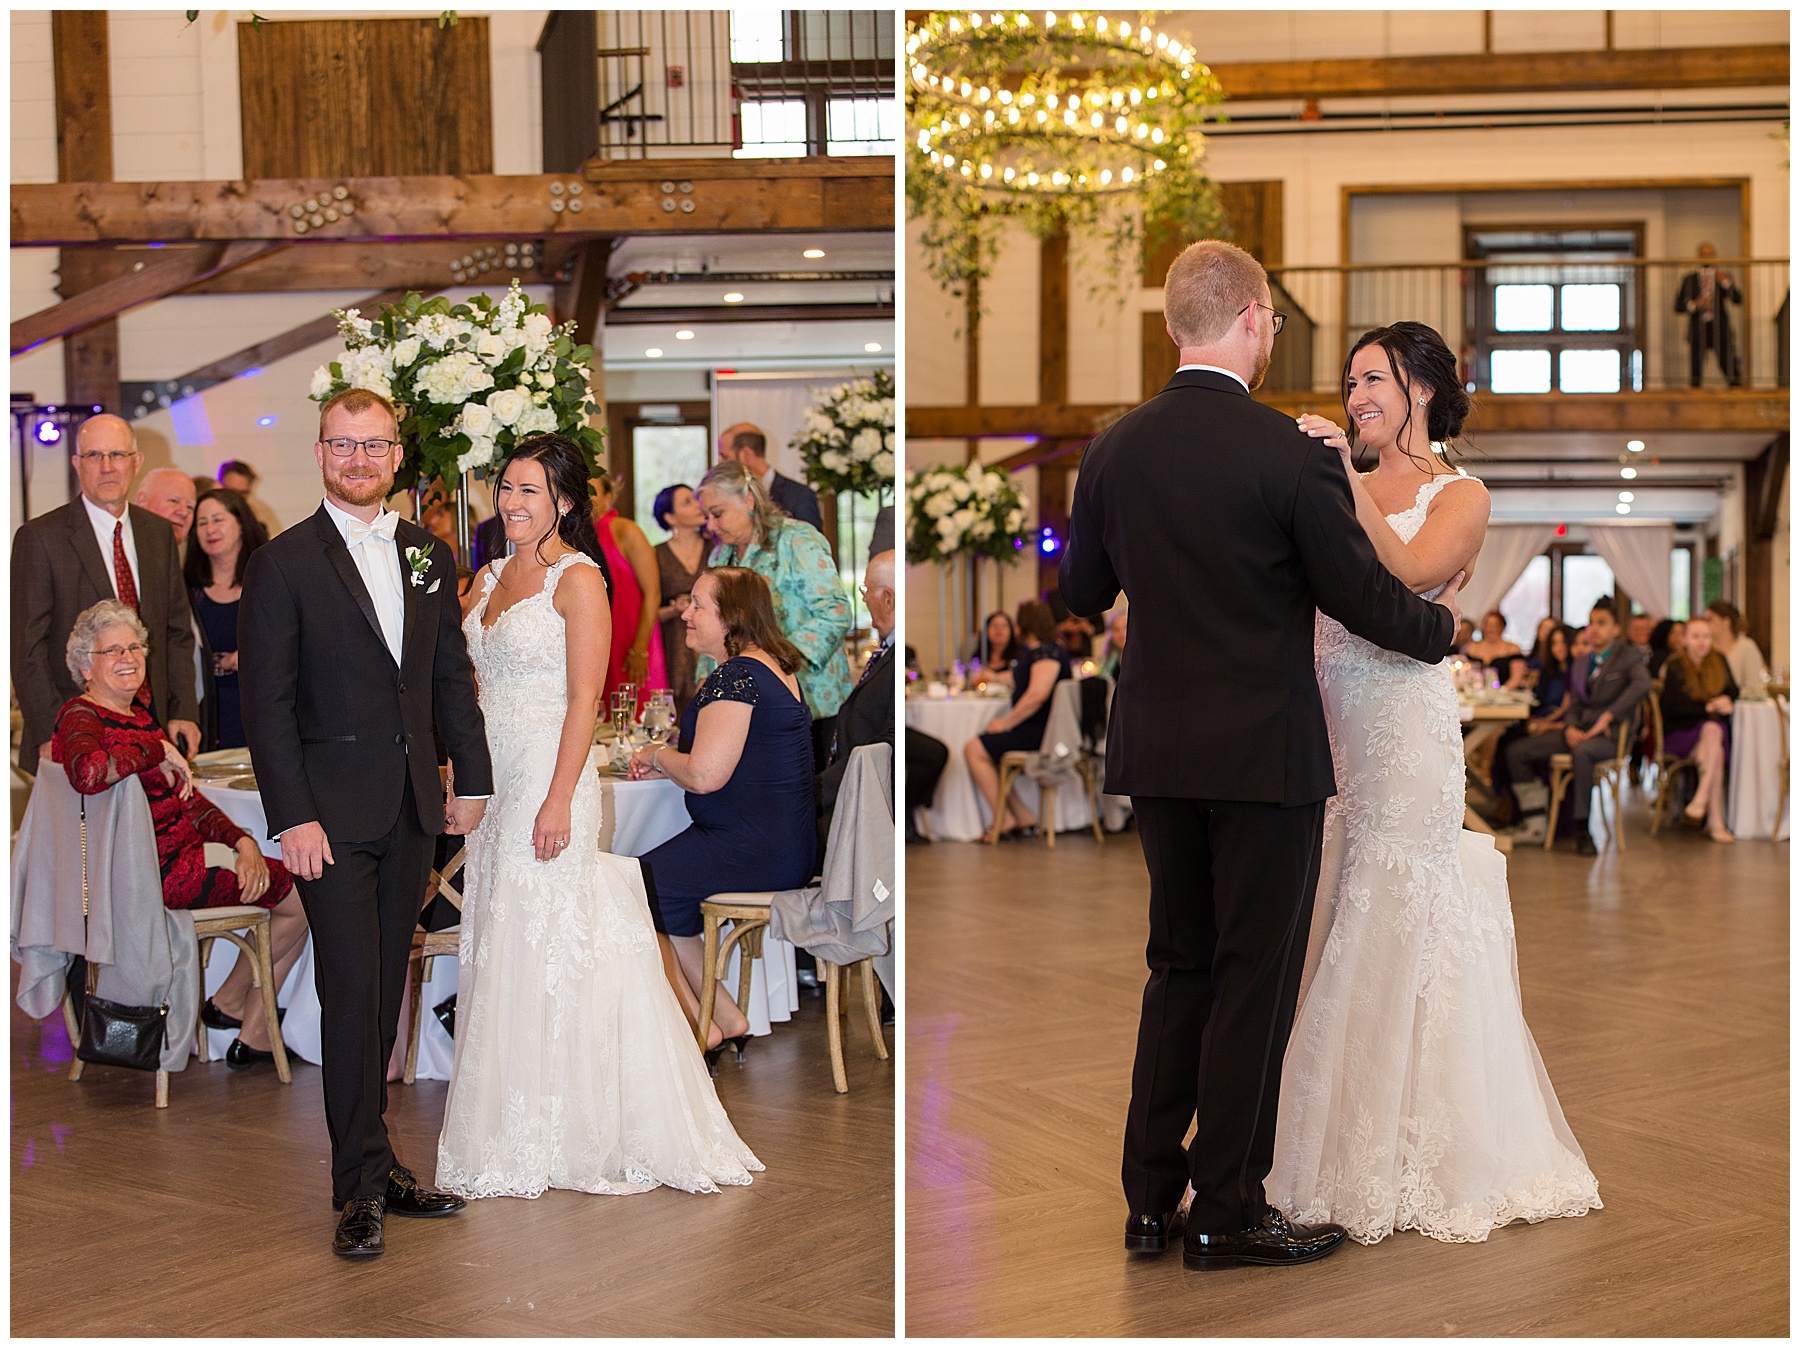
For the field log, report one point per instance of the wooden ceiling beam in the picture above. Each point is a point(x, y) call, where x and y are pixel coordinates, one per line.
point(1743, 67)
point(110, 298)
point(1624, 413)
point(726, 196)
point(746, 313)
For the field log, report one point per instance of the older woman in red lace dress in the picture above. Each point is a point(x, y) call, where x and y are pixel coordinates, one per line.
point(107, 734)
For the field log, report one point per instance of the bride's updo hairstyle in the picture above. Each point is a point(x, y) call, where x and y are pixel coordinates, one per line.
point(747, 612)
point(1419, 356)
point(565, 470)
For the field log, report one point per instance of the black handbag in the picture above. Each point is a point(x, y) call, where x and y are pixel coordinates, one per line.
point(112, 1032)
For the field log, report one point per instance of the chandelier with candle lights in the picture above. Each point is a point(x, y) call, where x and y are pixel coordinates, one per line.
point(1076, 122)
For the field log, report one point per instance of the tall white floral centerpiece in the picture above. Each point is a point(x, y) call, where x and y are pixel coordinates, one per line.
point(962, 512)
point(847, 438)
point(470, 381)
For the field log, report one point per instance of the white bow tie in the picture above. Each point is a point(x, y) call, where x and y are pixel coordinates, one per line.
point(357, 533)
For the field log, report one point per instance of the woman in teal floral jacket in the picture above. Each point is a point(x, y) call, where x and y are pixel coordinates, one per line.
point(795, 559)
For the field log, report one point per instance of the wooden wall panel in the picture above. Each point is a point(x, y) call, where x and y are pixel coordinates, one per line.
point(81, 53)
point(1254, 210)
point(365, 97)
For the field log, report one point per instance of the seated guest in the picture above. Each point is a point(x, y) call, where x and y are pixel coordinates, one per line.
point(1496, 652)
point(1666, 638)
point(1040, 665)
point(992, 652)
point(926, 758)
point(226, 532)
point(1549, 703)
point(1115, 645)
point(744, 758)
point(1637, 632)
point(103, 735)
point(1465, 631)
point(1697, 697)
point(1740, 651)
point(680, 559)
point(1606, 687)
point(811, 608)
point(867, 716)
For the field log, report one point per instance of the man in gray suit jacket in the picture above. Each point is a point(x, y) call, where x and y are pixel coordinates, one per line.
point(746, 444)
point(60, 567)
point(1605, 689)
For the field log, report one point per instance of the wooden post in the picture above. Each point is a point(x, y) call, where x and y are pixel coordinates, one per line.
point(82, 58)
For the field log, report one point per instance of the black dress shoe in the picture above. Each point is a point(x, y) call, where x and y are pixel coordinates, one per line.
point(215, 1019)
point(1584, 844)
point(1150, 1233)
point(359, 1229)
point(735, 1044)
point(407, 1198)
point(240, 1055)
point(1275, 1240)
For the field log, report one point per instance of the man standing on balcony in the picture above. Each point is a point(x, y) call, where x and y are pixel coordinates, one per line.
point(1702, 298)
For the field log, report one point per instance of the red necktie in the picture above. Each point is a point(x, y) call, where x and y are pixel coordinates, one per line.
point(122, 569)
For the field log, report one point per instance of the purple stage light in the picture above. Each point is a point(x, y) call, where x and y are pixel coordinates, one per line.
point(48, 432)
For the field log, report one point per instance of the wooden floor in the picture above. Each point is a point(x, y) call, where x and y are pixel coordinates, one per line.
point(213, 1216)
point(1657, 987)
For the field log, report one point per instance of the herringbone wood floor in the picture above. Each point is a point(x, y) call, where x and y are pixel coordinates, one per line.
point(1655, 983)
point(213, 1216)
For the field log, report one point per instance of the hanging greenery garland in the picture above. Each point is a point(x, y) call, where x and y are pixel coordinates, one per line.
point(1070, 122)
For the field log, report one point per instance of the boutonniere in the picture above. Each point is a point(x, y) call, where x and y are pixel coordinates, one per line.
point(419, 559)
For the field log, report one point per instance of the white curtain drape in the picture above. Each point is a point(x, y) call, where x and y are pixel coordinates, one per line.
point(1639, 557)
point(1505, 554)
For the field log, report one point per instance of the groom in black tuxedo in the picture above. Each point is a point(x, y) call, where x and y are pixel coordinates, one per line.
point(1226, 527)
point(350, 645)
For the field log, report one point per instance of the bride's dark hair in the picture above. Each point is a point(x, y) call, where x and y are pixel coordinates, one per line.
point(565, 473)
point(1419, 355)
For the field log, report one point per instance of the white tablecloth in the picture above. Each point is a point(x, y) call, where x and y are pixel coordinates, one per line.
point(638, 816)
point(1755, 784)
point(958, 813)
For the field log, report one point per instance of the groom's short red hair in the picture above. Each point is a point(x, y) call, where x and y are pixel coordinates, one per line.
point(1208, 285)
point(354, 400)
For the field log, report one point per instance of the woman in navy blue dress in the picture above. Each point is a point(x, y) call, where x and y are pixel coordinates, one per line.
point(226, 531)
point(745, 759)
point(1039, 666)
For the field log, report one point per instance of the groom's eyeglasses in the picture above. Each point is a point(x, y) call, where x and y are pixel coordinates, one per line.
point(375, 449)
point(1280, 318)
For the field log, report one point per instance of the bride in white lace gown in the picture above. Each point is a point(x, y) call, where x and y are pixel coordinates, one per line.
point(575, 1067)
point(1412, 1094)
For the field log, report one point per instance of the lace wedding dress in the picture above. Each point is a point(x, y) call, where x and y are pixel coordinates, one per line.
point(575, 1068)
point(1412, 1094)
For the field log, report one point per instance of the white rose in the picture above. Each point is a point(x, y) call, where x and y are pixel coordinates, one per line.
point(537, 325)
point(941, 504)
point(884, 464)
point(491, 347)
point(405, 353)
point(476, 421)
point(981, 529)
point(507, 405)
point(961, 489)
point(322, 380)
point(834, 461)
point(964, 518)
point(475, 379)
point(1015, 521)
point(867, 442)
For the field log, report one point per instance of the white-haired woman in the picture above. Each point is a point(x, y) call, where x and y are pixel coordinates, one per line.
point(810, 605)
point(105, 734)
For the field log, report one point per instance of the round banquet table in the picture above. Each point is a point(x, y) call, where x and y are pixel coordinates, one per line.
point(958, 813)
point(1755, 785)
point(637, 816)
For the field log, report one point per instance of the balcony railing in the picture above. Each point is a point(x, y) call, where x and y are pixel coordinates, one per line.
point(1536, 326)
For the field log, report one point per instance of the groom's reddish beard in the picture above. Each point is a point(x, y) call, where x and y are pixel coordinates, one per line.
point(360, 490)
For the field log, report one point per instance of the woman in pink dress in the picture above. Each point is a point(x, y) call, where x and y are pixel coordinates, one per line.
point(637, 651)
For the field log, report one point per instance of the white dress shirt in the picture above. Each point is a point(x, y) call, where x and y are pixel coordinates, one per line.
point(103, 533)
point(768, 479)
point(1217, 369)
point(378, 563)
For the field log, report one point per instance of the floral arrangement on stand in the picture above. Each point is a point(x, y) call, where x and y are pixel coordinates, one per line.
point(966, 510)
point(848, 439)
point(470, 380)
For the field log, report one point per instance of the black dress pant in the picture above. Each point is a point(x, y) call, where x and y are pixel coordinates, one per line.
point(925, 760)
point(1231, 896)
point(362, 912)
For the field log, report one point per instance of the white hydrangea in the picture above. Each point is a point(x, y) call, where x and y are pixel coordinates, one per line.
point(887, 441)
point(479, 454)
point(448, 381)
point(867, 443)
point(368, 369)
point(438, 331)
point(884, 463)
point(535, 421)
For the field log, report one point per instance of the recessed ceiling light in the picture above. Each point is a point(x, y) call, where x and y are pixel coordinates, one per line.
point(1622, 508)
point(1628, 473)
point(871, 346)
point(1635, 446)
point(813, 252)
point(685, 335)
point(733, 297)
point(1627, 496)
point(654, 352)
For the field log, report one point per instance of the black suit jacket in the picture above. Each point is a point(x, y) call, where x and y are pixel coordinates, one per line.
point(1623, 683)
point(1227, 527)
point(57, 572)
point(335, 726)
point(867, 717)
point(798, 499)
